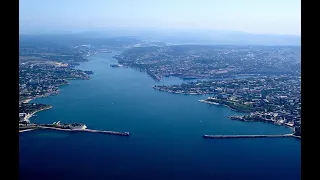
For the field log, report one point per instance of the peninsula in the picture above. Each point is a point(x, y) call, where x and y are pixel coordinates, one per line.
point(273, 99)
point(43, 69)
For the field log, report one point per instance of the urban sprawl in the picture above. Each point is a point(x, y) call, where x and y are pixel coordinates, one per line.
point(261, 81)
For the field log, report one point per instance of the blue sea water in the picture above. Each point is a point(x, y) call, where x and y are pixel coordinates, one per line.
point(165, 139)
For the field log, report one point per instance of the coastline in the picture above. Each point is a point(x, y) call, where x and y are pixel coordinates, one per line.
point(153, 131)
point(218, 104)
point(66, 83)
point(176, 92)
point(27, 117)
point(45, 95)
point(271, 122)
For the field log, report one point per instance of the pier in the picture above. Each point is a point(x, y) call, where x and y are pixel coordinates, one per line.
point(249, 136)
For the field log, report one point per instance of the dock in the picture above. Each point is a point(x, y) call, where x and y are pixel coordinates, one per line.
point(249, 136)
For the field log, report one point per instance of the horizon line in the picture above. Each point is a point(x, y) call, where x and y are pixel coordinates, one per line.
point(148, 29)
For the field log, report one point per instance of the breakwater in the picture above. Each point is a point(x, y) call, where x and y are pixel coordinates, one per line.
point(87, 130)
point(79, 130)
point(249, 136)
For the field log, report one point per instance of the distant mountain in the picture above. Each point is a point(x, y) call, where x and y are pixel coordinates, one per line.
point(229, 38)
point(131, 36)
point(76, 39)
point(208, 37)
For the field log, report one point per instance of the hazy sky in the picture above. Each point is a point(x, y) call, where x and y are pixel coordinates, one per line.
point(255, 16)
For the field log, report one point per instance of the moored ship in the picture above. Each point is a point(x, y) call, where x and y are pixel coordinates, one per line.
point(77, 126)
point(115, 65)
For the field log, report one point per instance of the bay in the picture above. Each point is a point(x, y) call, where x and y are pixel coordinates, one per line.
point(165, 139)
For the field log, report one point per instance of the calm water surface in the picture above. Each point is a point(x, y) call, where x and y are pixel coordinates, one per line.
point(165, 134)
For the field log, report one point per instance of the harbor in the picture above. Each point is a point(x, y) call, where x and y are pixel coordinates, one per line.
point(249, 136)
